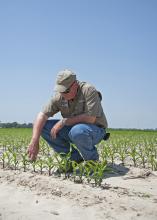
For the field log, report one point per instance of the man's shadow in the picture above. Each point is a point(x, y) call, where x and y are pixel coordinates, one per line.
point(115, 170)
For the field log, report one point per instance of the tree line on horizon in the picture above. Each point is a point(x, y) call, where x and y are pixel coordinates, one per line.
point(30, 125)
point(15, 125)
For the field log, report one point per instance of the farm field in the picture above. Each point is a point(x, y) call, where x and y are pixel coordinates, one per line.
point(122, 186)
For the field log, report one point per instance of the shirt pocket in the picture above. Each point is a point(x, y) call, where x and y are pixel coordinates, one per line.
point(64, 109)
point(79, 108)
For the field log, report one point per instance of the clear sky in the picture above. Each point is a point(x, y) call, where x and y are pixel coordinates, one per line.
point(111, 44)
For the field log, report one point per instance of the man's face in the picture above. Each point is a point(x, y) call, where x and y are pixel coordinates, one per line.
point(71, 92)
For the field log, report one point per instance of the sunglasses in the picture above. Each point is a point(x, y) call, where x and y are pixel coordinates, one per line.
point(68, 90)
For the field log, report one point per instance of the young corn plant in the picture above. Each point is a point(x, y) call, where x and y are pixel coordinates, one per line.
point(34, 165)
point(49, 163)
point(122, 152)
point(152, 158)
point(79, 171)
point(14, 160)
point(104, 153)
point(63, 163)
point(75, 169)
point(100, 174)
point(133, 154)
point(3, 159)
point(25, 161)
point(88, 171)
point(153, 162)
point(8, 157)
point(41, 164)
point(97, 168)
point(142, 155)
point(151, 152)
point(112, 150)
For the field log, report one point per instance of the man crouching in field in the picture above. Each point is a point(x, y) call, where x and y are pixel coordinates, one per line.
point(83, 122)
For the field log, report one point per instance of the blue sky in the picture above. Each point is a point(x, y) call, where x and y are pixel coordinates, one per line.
point(110, 43)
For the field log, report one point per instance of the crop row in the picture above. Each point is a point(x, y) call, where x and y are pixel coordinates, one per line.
point(128, 148)
point(14, 156)
point(141, 151)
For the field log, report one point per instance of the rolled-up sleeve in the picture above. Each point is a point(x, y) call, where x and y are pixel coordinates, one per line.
point(50, 108)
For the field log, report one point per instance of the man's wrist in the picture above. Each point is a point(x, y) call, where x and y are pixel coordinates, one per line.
point(35, 141)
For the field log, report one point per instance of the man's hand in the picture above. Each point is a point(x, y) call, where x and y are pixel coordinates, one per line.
point(33, 149)
point(56, 128)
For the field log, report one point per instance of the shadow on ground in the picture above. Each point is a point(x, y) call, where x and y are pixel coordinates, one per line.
point(114, 170)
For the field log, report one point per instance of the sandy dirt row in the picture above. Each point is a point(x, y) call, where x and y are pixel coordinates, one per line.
point(123, 195)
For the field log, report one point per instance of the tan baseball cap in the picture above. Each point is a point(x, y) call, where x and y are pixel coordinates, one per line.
point(64, 80)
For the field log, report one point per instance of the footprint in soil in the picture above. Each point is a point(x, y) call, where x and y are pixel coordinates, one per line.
point(54, 212)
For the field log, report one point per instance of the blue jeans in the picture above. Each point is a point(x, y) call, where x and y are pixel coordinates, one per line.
point(84, 136)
